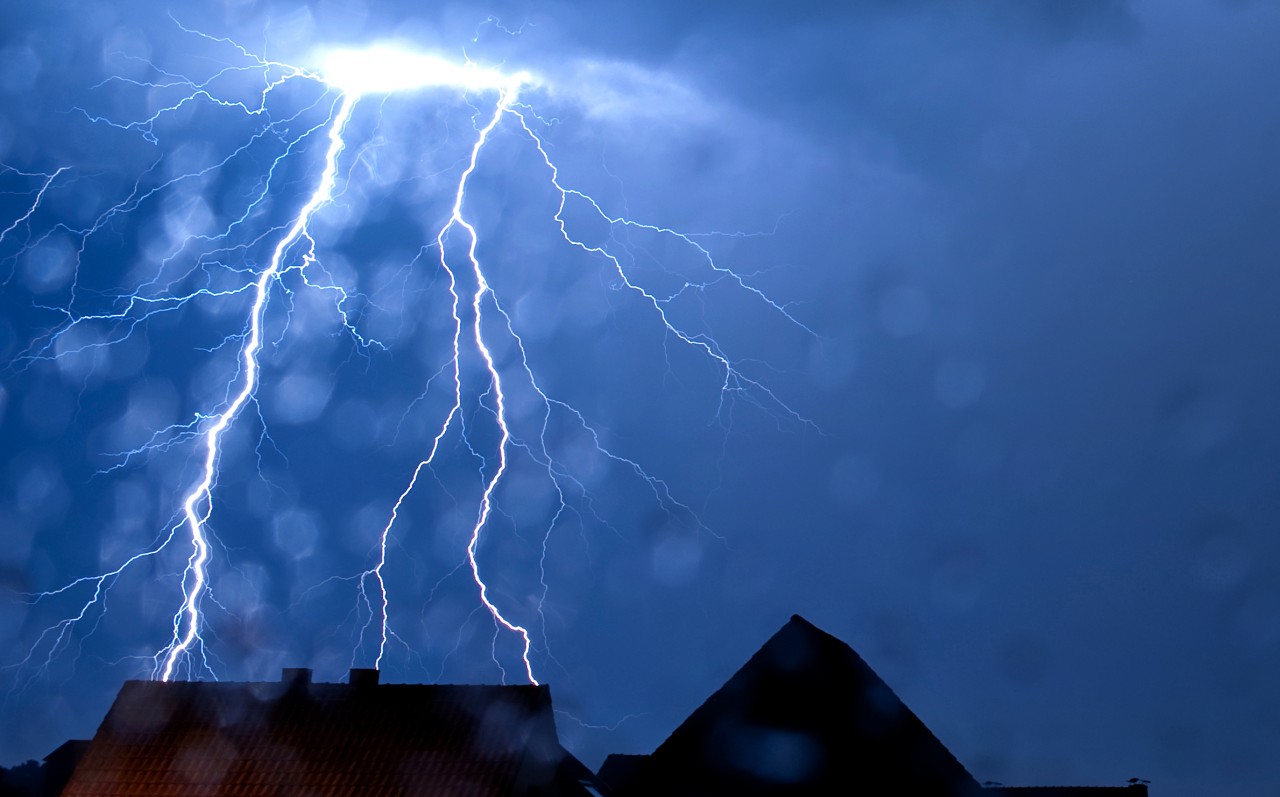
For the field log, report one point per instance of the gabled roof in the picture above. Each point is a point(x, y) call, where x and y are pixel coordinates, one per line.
point(191, 739)
point(805, 715)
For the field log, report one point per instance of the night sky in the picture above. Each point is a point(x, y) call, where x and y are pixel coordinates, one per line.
point(999, 283)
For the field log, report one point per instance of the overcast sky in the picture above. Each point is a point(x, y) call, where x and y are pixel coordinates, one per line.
point(997, 282)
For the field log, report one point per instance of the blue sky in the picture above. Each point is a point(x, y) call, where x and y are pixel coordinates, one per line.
point(1002, 315)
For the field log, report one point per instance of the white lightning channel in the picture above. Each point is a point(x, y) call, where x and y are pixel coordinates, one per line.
point(197, 506)
point(384, 69)
point(482, 290)
point(389, 70)
point(508, 93)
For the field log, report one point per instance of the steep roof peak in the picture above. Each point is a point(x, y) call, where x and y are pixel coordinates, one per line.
point(806, 691)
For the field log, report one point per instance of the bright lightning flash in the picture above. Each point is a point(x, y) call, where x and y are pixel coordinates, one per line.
point(389, 68)
point(478, 318)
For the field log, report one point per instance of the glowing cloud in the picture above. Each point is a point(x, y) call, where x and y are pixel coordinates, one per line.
point(386, 69)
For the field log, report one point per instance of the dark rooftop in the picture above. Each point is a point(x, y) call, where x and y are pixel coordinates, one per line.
point(295, 737)
point(805, 715)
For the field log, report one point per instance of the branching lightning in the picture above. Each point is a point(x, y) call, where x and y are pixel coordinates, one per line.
point(198, 504)
point(477, 412)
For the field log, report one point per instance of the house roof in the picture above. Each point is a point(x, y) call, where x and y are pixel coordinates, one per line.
point(804, 715)
point(294, 737)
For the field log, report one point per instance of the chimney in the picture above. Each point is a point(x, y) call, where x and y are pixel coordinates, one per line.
point(295, 676)
point(362, 678)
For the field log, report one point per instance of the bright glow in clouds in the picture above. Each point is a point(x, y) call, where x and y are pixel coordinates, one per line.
point(386, 69)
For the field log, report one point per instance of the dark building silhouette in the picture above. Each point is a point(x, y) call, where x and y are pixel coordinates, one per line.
point(806, 716)
point(46, 779)
point(295, 737)
point(59, 765)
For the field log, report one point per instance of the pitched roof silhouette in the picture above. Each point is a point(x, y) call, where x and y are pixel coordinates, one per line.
point(295, 737)
point(804, 716)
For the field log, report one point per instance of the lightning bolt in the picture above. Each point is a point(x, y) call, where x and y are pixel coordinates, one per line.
point(198, 504)
point(480, 323)
point(26, 215)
